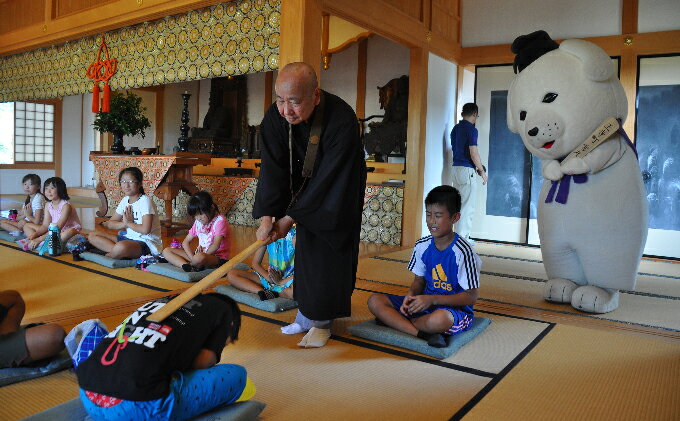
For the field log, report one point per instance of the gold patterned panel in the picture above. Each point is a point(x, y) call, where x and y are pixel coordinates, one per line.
point(225, 39)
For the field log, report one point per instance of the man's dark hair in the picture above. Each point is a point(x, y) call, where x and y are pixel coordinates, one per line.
point(469, 109)
point(59, 183)
point(446, 196)
point(233, 314)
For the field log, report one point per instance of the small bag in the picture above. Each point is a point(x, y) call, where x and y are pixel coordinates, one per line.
point(84, 338)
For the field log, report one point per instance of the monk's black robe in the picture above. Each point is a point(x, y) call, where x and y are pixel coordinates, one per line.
point(328, 210)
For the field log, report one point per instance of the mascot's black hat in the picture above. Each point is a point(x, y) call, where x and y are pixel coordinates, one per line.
point(530, 47)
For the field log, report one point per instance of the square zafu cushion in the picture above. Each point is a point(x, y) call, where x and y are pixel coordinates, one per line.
point(172, 271)
point(4, 235)
point(73, 410)
point(48, 366)
point(383, 334)
point(107, 261)
point(274, 305)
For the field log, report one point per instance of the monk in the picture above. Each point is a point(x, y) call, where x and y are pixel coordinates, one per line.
point(325, 206)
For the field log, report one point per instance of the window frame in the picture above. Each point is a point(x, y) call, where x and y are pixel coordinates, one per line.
point(56, 154)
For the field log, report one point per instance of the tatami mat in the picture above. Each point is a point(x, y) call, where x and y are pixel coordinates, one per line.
point(512, 275)
point(518, 368)
point(20, 400)
point(583, 374)
point(54, 285)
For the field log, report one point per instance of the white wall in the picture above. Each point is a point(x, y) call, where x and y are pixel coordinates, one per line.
point(89, 138)
point(71, 137)
point(441, 117)
point(658, 15)
point(341, 77)
point(172, 111)
point(490, 22)
point(10, 179)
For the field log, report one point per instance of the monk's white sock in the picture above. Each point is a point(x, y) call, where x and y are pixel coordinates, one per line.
point(315, 338)
point(293, 329)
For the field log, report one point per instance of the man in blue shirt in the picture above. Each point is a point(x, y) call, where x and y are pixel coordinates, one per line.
point(466, 162)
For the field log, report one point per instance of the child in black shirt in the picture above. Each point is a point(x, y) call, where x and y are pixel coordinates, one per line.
point(166, 371)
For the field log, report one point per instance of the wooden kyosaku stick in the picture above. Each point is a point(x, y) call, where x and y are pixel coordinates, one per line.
point(599, 136)
point(200, 286)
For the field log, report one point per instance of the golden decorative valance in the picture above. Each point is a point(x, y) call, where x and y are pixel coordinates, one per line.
point(225, 39)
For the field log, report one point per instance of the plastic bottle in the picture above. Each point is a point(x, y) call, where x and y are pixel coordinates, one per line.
point(54, 240)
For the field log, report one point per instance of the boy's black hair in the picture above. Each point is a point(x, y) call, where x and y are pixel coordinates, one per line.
point(35, 180)
point(136, 173)
point(469, 109)
point(202, 203)
point(233, 314)
point(60, 184)
point(446, 196)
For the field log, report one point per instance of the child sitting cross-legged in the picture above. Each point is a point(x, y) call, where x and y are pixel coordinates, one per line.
point(212, 231)
point(135, 216)
point(441, 298)
point(277, 279)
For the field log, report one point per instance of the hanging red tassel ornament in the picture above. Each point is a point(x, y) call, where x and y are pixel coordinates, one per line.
point(106, 104)
point(95, 98)
point(102, 71)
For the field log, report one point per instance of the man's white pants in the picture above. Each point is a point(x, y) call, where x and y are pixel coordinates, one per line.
point(464, 181)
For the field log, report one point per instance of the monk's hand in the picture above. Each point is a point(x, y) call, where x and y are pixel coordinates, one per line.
point(265, 230)
point(419, 303)
point(282, 226)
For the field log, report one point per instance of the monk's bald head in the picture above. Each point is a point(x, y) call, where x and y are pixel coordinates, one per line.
point(299, 73)
point(297, 92)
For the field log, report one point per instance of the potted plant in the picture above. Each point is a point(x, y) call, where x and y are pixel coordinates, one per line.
point(126, 118)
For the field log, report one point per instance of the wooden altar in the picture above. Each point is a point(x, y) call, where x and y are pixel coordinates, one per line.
point(164, 177)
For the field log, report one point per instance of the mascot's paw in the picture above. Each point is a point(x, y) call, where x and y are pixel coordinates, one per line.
point(559, 290)
point(552, 171)
point(575, 166)
point(593, 299)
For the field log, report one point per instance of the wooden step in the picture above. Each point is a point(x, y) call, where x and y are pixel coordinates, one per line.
point(83, 191)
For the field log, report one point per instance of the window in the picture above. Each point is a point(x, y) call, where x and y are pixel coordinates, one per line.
point(28, 137)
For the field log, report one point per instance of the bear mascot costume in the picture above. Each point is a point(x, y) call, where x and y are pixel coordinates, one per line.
point(592, 210)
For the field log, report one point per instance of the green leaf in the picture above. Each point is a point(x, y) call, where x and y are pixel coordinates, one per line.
point(126, 116)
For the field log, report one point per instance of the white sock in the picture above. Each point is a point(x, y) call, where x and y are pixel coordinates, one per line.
point(315, 338)
point(292, 329)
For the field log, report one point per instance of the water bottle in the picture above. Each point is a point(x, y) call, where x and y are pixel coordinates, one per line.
point(54, 240)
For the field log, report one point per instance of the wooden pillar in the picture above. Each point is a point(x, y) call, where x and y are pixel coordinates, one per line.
point(628, 76)
point(268, 86)
point(415, 149)
point(362, 61)
point(628, 79)
point(300, 33)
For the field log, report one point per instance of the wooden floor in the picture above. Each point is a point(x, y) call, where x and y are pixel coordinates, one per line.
point(535, 361)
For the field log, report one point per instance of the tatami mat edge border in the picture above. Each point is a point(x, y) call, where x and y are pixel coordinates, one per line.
point(489, 387)
point(108, 275)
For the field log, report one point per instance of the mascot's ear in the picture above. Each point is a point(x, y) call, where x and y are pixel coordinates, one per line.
point(510, 113)
point(597, 66)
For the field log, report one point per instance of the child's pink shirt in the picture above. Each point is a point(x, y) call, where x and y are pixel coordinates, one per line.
point(72, 222)
point(206, 234)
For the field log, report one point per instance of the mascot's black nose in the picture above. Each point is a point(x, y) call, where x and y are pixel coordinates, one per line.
point(533, 132)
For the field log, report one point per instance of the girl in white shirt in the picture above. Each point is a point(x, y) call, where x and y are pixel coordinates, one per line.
point(33, 208)
point(136, 217)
